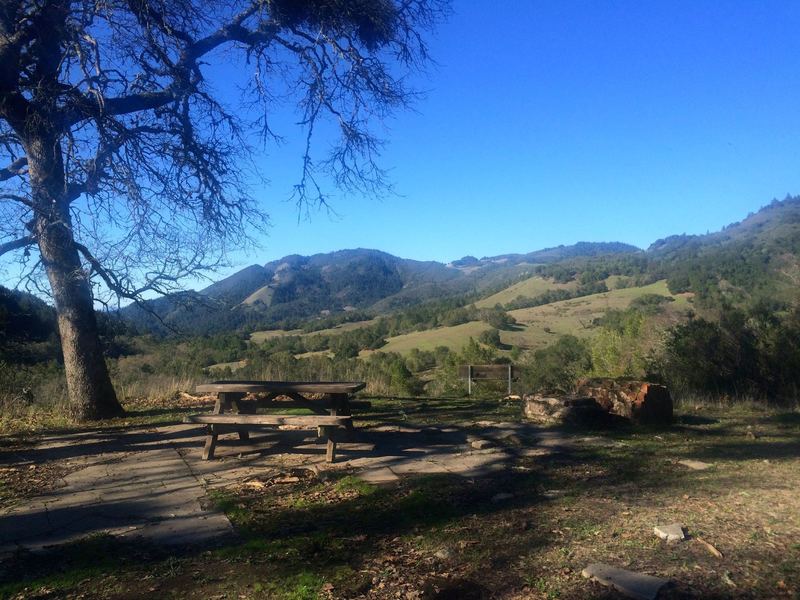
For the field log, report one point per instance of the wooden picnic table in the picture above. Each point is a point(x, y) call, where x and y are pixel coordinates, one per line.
point(330, 401)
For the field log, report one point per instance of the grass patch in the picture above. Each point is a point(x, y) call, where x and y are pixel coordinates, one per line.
point(350, 483)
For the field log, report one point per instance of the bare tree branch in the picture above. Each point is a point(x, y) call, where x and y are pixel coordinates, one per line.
point(14, 169)
point(16, 244)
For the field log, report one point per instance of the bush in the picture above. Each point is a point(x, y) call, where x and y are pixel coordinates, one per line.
point(558, 366)
point(752, 352)
point(490, 337)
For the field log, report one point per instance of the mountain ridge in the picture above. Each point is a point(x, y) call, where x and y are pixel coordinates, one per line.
point(295, 288)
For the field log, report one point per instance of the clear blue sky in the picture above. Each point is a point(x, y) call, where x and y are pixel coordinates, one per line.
point(552, 122)
point(548, 123)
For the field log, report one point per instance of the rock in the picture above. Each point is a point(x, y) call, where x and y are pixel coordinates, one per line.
point(628, 583)
point(553, 493)
point(695, 465)
point(481, 444)
point(671, 533)
point(502, 496)
point(638, 401)
point(553, 410)
point(443, 554)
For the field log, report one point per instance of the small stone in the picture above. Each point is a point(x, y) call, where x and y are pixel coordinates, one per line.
point(481, 444)
point(628, 583)
point(502, 496)
point(443, 554)
point(695, 465)
point(671, 533)
point(552, 493)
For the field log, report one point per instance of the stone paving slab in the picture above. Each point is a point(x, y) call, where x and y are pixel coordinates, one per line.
point(629, 583)
point(150, 493)
point(152, 483)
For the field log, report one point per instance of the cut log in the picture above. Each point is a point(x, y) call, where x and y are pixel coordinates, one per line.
point(638, 401)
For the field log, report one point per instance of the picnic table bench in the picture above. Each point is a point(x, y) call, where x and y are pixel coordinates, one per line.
point(332, 407)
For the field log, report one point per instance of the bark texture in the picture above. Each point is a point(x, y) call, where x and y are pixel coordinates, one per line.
point(89, 385)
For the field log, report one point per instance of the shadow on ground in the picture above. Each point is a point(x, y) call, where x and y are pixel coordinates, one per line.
point(472, 514)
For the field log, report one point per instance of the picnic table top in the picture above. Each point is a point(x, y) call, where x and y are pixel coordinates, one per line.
point(299, 387)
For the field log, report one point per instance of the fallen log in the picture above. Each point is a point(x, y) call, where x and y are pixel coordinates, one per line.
point(640, 402)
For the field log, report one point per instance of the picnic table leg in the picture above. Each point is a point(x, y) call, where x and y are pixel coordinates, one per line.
point(211, 443)
point(330, 451)
point(211, 433)
point(236, 403)
point(340, 405)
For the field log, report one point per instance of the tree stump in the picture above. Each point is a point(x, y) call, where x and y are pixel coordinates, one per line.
point(640, 402)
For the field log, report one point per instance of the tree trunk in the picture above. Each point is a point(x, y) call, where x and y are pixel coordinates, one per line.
point(89, 385)
point(91, 393)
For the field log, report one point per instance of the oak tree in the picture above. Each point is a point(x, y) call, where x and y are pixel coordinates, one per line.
point(124, 170)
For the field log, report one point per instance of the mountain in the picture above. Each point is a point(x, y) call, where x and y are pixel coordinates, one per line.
point(28, 331)
point(296, 288)
point(757, 258)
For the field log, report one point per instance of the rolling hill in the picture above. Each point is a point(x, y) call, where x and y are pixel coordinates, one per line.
point(294, 289)
point(528, 288)
point(541, 325)
point(755, 258)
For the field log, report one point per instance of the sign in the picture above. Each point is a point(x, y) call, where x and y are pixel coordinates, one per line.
point(485, 372)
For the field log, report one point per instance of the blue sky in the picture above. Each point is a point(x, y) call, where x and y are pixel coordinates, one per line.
point(548, 123)
point(552, 122)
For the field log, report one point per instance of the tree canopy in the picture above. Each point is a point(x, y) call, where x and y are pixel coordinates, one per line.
point(128, 173)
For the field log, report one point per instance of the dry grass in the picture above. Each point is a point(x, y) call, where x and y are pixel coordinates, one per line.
point(261, 336)
point(453, 337)
point(529, 288)
point(542, 325)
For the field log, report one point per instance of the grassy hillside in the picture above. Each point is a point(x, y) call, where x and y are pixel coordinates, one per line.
point(260, 336)
point(541, 325)
point(529, 288)
point(263, 295)
point(452, 337)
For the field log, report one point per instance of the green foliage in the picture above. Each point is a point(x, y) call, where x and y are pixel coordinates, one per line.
point(558, 366)
point(752, 352)
point(421, 360)
point(617, 347)
point(474, 353)
point(497, 318)
point(540, 300)
point(490, 337)
point(651, 304)
point(28, 332)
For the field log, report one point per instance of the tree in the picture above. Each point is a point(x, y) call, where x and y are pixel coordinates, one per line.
point(125, 173)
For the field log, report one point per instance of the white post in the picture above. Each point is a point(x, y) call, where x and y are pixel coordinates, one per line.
point(469, 380)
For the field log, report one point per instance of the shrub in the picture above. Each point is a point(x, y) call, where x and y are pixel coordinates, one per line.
point(558, 366)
